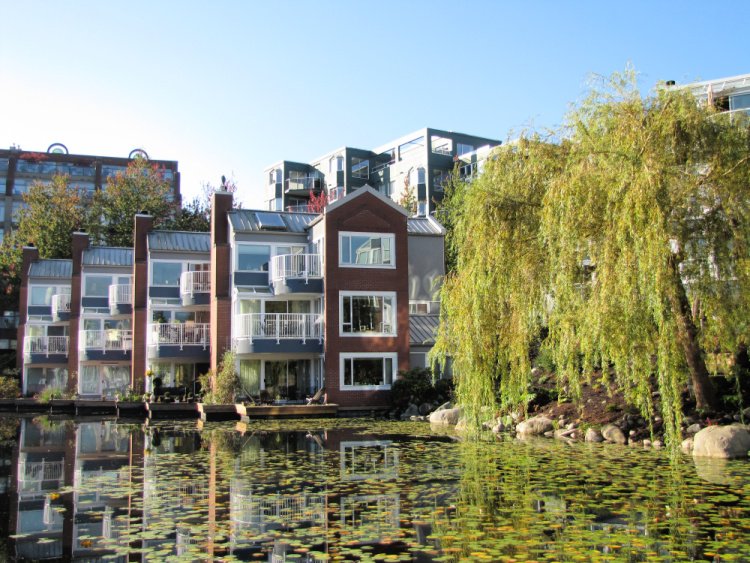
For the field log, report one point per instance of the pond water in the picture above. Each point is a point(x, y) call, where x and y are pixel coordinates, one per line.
point(321, 490)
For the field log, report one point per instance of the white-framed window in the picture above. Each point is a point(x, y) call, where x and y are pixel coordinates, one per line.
point(166, 273)
point(42, 294)
point(367, 250)
point(96, 285)
point(364, 313)
point(253, 257)
point(367, 371)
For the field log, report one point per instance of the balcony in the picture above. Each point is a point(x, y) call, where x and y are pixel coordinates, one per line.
point(61, 307)
point(178, 340)
point(112, 344)
point(195, 288)
point(278, 332)
point(120, 299)
point(304, 184)
point(297, 273)
point(45, 349)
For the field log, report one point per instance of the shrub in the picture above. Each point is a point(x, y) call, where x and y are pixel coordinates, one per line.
point(49, 393)
point(416, 386)
point(226, 382)
point(9, 388)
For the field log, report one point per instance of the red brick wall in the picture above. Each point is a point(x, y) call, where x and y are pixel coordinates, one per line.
point(221, 303)
point(80, 243)
point(365, 213)
point(143, 225)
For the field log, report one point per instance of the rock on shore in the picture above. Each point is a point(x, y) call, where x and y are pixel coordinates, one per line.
point(722, 442)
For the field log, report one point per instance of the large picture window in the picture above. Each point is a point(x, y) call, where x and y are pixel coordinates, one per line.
point(368, 371)
point(366, 250)
point(96, 286)
point(253, 257)
point(166, 273)
point(366, 313)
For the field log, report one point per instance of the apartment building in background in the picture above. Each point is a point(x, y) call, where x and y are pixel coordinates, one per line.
point(730, 94)
point(420, 162)
point(340, 300)
point(19, 169)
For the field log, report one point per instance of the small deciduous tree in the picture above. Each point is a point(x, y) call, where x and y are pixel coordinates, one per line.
point(141, 188)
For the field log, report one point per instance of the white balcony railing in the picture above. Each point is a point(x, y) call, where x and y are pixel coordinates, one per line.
point(60, 303)
point(179, 334)
point(45, 345)
point(195, 282)
point(280, 326)
point(121, 294)
point(296, 266)
point(106, 340)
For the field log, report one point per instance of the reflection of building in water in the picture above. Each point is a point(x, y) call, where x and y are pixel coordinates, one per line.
point(370, 518)
point(376, 459)
point(102, 472)
point(40, 478)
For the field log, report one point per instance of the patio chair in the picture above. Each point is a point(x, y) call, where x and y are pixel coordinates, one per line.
point(318, 398)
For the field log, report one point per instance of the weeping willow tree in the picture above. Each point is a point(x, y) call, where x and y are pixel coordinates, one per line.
point(625, 241)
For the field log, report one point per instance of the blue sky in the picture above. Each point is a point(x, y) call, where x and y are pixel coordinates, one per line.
point(232, 87)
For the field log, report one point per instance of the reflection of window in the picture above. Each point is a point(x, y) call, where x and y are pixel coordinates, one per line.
point(360, 168)
point(253, 257)
point(368, 313)
point(368, 459)
point(368, 370)
point(365, 249)
point(166, 273)
point(464, 149)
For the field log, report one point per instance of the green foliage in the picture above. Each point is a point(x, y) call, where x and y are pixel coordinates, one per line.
point(141, 188)
point(593, 237)
point(195, 216)
point(220, 388)
point(416, 386)
point(9, 388)
point(545, 360)
point(48, 394)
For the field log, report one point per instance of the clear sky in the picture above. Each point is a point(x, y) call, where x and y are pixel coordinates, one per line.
point(232, 87)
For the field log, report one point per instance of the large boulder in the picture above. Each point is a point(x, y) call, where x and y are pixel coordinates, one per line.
point(535, 426)
point(612, 433)
point(593, 435)
point(722, 441)
point(446, 416)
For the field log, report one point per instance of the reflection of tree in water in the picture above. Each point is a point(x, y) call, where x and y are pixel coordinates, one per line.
point(548, 500)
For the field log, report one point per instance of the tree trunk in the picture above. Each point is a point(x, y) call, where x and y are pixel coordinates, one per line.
point(703, 388)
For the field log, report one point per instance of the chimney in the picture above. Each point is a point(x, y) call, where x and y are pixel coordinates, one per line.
point(142, 227)
point(221, 302)
point(29, 254)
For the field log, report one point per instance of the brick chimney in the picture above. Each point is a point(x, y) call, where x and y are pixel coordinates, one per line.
point(80, 244)
point(143, 226)
point(221, 302)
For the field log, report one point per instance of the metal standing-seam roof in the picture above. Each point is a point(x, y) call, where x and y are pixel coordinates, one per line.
point(423, 226)
point(51, 269)
point(246, 221)
point(108, 256)
point(422, 329)
point(179, 241)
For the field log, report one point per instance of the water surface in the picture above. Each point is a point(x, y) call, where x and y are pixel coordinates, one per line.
point(105, 490)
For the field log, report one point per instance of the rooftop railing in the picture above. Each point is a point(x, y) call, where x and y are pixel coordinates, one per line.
point(121, 294)
point(296, 266)
point(195, 282)
point(279, 326)
point(60, 303)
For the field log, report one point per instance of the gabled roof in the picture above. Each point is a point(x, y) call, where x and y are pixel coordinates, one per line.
point(179, 241)
point(359, 192)
point(246, 221)
point(108, 256)
point(422, 329)
point(61, 269)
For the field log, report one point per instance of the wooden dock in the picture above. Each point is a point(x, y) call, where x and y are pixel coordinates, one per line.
point(287, 411)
